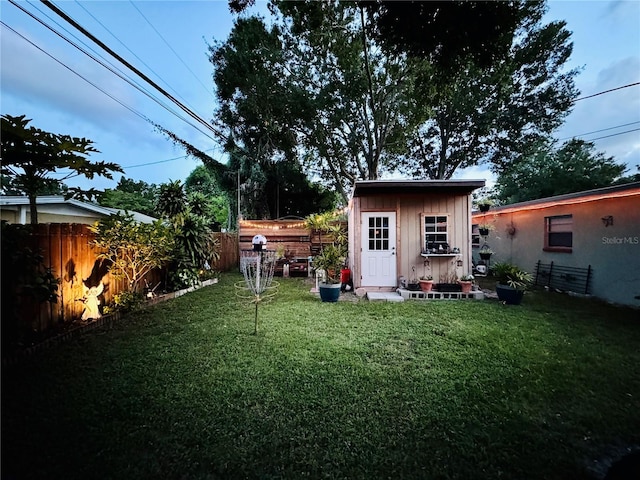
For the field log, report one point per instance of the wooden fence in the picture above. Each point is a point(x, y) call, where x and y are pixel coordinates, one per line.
point(67, 250)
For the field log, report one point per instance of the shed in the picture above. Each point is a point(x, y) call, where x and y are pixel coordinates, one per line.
point(409, 228)
point(586, 242)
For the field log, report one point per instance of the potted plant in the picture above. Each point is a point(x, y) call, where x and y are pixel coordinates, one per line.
point(466, 282)
point(426, 283)
point(485, 252)
point(413, 284)
point(484, 228)
point(511, 283)
point(332, 257)
point(484, 204)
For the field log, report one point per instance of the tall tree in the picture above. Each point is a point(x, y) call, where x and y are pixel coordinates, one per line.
point(547, 171)
point(132, 196)
point(494, 113)
point(360, 108)
point(324, 92)
point(31, 155)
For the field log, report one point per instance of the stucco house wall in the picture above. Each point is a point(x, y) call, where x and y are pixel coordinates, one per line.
point(606, 236)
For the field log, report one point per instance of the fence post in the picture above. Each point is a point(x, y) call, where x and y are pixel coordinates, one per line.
point(550, 274)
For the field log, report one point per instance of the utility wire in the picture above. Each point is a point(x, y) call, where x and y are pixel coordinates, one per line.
point(171, 48)
point(131, 109)
point(112, 70)
point(607, 91)
point(598, 131)
point(166, 94)
point(614, 134)
point(128, 49)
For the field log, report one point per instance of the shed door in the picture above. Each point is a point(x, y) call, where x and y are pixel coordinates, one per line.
point(378, 260)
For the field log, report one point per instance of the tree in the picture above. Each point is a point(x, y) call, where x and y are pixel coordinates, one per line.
point(205, 195)
point(548, 171)
point(132, 196)
point(31, 155)
point(323, 93)
point(133, 248)
point(495, 113)
point(359, 110)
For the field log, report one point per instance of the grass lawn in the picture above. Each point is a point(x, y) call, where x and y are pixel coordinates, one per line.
point(354, 390)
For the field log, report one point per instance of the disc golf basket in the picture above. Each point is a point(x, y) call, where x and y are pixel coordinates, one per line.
point(257, 267)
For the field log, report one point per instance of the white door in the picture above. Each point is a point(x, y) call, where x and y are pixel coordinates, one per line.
point(378, 242)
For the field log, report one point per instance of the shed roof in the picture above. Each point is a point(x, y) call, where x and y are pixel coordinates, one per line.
point(376, 187)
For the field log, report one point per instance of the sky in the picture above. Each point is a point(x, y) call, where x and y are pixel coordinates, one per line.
point(169, 41)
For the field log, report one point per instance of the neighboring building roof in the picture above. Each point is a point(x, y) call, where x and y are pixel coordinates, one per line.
point(374, 187)
point(15, 201)
point(615, 191)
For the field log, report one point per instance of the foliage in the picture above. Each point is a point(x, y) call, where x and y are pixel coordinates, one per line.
point(411, 390)
point(206, 196)
point(333, 255)
point(133, 248)
point(326, 92)
point(131, 196)
point(25, 275)
point(467, 278)
point(495, 113)
point(511, 275)
point(172, 201)
point(125, 302)
point(30, 156)
point(312, 89)
point(547, 171)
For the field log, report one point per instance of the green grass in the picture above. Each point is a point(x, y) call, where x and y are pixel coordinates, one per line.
point(468, 390)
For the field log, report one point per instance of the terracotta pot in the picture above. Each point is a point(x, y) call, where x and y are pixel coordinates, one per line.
point(426, 285)
point(466, 286)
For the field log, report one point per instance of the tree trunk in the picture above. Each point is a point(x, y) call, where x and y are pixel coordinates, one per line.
point(33, 210)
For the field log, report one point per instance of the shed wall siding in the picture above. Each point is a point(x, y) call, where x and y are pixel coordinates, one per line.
point(409, 210)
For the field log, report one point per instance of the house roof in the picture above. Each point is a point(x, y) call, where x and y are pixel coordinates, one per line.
point(615, 191)
point(98, 210)
point(376, 187)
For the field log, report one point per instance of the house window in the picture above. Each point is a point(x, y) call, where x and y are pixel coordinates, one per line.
point(378, 233)
point(558, 233)
point(436, 232)
point(475, 236)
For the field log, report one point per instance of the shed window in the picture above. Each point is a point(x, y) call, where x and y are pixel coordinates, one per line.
point(436, 232)
point(559, 233)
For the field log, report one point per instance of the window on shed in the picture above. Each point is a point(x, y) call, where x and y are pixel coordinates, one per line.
point(558, 233)
point(436, 231)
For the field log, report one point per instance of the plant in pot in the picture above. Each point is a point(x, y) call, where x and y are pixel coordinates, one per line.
point(466, 282)
point(484, 204)
point(413, 284)
point(484, 228)
point(426, 283)
point(485, 252)
point(332, 257)
point(511, 282)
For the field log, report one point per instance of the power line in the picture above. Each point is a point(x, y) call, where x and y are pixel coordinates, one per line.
point(607, 91)
point(111, 69)
point(157, 87)
point(131, 109)
point(128, 49)
point(171, 48)
point(598, 131)
point(614, 134)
